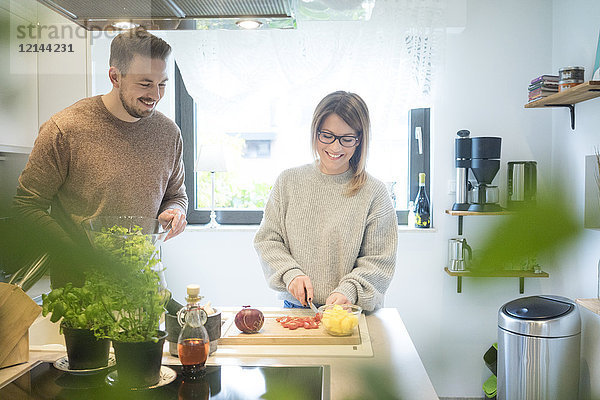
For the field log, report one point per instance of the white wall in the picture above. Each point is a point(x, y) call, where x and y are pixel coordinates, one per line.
point(488, 68)
point(483, 88)
point(575, 36)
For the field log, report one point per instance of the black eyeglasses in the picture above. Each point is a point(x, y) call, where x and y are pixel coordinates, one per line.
point(345, 140)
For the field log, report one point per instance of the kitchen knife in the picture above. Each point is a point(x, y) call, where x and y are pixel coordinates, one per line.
point(312, 307)
point(310, 303)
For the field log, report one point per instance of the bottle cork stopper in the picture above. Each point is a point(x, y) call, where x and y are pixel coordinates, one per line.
point(193, 290)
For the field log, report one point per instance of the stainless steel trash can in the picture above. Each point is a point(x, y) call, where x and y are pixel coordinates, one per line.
point(538, 349)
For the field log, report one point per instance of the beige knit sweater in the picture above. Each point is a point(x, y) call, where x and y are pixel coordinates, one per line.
point(343, 244)
point(86, 162)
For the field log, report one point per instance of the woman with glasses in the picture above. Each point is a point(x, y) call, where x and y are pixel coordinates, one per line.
point(329, 231)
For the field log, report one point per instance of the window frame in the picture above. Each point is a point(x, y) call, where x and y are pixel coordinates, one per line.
point(185, 115)
point(419, 162)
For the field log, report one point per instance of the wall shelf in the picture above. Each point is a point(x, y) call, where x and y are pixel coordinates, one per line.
point(467, 213)
point(461, 214)
point(569, 97)
point(496, 274)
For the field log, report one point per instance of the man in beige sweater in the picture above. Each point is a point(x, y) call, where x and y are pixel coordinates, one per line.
point(109, 155)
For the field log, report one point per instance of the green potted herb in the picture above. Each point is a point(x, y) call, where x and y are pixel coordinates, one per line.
point(131, 294)
point(82, 320)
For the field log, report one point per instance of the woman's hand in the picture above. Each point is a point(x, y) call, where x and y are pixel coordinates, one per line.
point(301, 288)
point(337, 298)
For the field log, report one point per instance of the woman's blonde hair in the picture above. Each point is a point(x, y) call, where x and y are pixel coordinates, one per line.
point(353, 110)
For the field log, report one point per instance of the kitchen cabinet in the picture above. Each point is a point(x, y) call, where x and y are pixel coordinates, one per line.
point(496, 274)
point(569, 97)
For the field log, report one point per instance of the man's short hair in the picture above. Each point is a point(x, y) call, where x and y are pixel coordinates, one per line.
point(136, 41)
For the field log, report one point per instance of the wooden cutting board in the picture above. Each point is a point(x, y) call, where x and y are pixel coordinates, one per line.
point(17, 313)
point(273, 333)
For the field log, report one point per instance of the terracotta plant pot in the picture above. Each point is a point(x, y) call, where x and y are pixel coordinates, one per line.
point(138, 363)
point(84, 350)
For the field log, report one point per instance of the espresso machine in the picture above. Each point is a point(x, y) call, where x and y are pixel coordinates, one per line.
point(480, 155)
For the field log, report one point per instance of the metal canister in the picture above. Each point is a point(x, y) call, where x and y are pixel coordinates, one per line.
point(570, 77)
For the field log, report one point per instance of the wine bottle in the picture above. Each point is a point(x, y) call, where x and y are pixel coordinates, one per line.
point(422, 219)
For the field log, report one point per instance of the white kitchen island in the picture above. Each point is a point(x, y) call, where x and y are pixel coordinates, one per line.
point(395, 362)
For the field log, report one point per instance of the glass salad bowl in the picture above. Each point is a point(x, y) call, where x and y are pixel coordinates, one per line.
point(134, 240)
point(340, 320)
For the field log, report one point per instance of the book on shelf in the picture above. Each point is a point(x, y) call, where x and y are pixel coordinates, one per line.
point(540, 96)
point(541, 92)
point(545, 78)
point(550, 86)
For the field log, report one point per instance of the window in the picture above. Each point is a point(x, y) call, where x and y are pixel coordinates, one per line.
point(241, 193)
point(254, 93)
point(239, 196)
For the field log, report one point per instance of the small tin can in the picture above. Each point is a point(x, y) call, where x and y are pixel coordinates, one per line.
point(568, 83)
point(568, 73)
point(570, 77)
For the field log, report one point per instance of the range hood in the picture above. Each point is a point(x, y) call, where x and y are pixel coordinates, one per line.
point(205, 14)
point(175, 14)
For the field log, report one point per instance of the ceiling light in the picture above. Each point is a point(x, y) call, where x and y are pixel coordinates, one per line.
point(249, 24)
point(125, 25)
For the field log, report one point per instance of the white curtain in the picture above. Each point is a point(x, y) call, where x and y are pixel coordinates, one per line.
point(270, 81)
point(402, 42)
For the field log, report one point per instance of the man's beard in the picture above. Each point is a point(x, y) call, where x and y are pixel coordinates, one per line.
point(131, 111)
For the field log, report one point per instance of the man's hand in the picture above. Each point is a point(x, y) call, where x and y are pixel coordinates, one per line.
point(337, 298)
point(177, 219)
point(297, 288)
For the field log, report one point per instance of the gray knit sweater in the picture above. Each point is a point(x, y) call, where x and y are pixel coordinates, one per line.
point(344, 244)
point(86, 162)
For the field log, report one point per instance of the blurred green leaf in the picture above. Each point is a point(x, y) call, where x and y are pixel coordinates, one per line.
point(527, 233)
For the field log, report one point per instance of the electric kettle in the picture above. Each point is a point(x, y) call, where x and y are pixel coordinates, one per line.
point(521, 184)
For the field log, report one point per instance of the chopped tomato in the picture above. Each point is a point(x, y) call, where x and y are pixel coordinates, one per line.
point(292, 325)
point(291, 322)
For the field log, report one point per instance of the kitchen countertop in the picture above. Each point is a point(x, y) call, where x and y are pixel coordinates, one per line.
point(591, 304)
point(394, 354)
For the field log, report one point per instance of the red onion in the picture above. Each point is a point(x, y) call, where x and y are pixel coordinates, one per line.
point(249, 320)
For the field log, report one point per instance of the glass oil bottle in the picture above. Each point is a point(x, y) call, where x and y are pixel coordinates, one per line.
point(193, 342)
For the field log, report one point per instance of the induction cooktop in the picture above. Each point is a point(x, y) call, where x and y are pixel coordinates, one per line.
point(44, 381)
